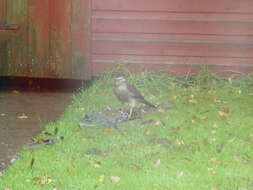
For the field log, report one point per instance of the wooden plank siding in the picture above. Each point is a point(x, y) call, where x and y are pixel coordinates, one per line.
point(53, 40)
point(173, 34)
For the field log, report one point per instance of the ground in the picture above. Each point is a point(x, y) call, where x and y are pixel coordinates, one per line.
point(203, 143)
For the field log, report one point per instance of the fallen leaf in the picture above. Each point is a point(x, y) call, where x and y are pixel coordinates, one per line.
point(216, 100)
point(192, 101)
point(174, 97)
point(6, 188)
point(15, 92)
point(211, 171)
point(96, 164)
point(84, 139)
point(148, 132)
point(106, 130)
point(222, 114)
point(158, 162)
point(23, 116)
point(3, 114)
point(175, 129)
point(237, 159)
point(231, 140)
point(101, 178)
point(161, 110)
point(213, 131)
point(136, 166)
point(115, 179)
point(230, 80)
point(226, 110)
point(212, 160)
point(157, 123)
point(180, 175)
point(211, 92)
point(43, 180)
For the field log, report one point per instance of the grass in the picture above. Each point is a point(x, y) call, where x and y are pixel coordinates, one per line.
point(204, 143)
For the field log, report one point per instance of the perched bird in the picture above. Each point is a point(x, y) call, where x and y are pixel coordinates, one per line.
point(128, 93)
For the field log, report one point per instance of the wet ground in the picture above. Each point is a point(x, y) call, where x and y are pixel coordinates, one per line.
point(25, 107)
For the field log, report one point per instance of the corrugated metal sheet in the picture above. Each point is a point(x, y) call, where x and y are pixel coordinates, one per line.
point(174, 34)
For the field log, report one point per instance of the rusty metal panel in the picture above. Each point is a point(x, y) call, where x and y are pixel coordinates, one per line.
point(170, 33)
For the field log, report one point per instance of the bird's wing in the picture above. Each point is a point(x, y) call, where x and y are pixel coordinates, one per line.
point(122, 95)
point(135, 93)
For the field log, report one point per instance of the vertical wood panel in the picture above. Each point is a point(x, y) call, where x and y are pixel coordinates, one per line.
point(3, 52)
point(17, 44)
point(60, 33)
point(39, 38)
point(81, 39)
point(3, 6)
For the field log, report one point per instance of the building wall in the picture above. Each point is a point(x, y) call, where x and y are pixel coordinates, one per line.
point(173, 35)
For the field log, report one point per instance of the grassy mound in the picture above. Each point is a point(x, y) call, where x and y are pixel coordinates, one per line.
point(204, 142)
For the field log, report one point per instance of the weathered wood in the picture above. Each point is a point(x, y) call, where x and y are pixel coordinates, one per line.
point(60, 38)
point(38, 38)
point(228, 6)
point(17, 44)
point(167, 33)
point(81, 39)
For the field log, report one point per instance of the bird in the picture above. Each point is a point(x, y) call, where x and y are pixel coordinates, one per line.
point(128, 93)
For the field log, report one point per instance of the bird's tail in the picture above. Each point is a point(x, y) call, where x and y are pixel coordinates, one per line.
point(148, 103)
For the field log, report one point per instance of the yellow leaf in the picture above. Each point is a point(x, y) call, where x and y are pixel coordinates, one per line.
point(211, 92)
point(96, 164)
point(101, 178)
point(86, 138)
point(222, 114)
point(212, 160)
point(238, 92)
point(157, 123)
point(23, 116)
point(174, 97)
point(15, 92)
point(192, 101)
point(212, 171)
point(161, 110)
point(106, 130)
point(148, 132)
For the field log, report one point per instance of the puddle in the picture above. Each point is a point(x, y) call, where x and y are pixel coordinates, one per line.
point(40, 107)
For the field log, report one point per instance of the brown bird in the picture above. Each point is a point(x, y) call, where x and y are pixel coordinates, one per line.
point(128, 93)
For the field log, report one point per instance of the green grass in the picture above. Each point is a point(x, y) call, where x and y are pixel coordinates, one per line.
point(203, 143)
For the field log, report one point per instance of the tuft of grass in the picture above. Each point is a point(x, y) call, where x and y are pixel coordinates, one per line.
point(204, 143)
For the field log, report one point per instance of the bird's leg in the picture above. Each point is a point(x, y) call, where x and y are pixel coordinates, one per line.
point(130, 113)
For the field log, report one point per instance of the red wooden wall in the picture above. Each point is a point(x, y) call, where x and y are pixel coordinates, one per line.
point(78, 38)
point(178, 35)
